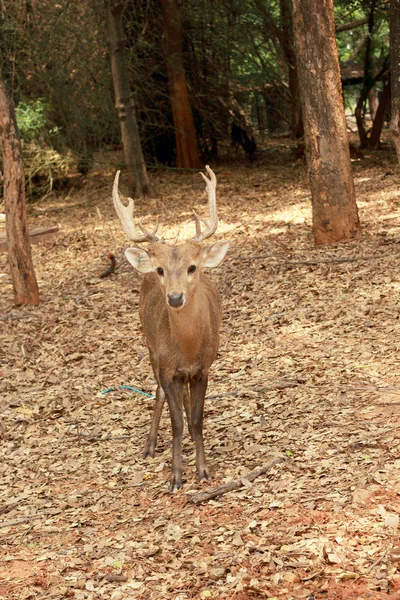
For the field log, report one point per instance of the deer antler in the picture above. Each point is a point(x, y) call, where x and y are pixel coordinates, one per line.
point(212, 224)
point(125, 214)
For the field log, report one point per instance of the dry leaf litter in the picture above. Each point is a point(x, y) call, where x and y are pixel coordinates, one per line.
point(308, 371)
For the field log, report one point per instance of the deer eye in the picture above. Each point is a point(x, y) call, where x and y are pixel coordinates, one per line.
point(160, 271)
point(192, 269)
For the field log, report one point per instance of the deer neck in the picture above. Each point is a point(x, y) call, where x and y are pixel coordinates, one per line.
point(189, 325)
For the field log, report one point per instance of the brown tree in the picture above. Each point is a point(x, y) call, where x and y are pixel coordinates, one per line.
point(283, 33)
point(335, 214)
point(187, 153)
point(138, 180)
point(395, 72)
point(23, 276)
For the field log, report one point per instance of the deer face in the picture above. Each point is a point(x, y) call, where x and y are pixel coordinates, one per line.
point(177, 268)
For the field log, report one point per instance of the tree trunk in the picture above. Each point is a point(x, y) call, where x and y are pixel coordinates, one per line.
point(368, 82)
point(138, 180)
point(23, 276)
point(287, 44)
point(395, 72)
point(373, 102)
point(335, 214)
point(384, 102)
point(187, 153)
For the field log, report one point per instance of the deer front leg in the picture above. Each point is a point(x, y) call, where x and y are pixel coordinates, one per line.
point(151, 442)
point(174, 392)
point(198, 387)
point(187, 403)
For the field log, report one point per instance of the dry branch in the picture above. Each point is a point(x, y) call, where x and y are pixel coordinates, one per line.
point(321, 261)
point(258, 389)
point(36, 236)
point(20, 521)
point(234, 485)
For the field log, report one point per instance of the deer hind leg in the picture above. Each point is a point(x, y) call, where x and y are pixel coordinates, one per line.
point(198, 387)
point(151, 442)
point(187, 403)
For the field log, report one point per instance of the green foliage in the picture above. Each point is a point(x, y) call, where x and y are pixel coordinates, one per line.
point(31, 119)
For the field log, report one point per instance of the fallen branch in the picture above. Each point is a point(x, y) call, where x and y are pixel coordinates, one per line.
point(234, 485)
point(313, 575)
point(259, 389)
point(380, 559)
point(35, 236)
point(320, 261)
point(114, 578)
point(20, 521)
point(95, 437)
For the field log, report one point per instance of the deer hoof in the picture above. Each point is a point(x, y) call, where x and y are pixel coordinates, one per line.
point(175, 484)
point(204, 474)
point(148, 452)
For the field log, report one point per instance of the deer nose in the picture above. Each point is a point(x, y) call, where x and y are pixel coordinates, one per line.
point(175, 300)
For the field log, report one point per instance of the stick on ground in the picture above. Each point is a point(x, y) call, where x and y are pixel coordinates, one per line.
point(235, 485)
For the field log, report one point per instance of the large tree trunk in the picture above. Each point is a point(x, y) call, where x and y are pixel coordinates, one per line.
point(395, 72)
point(335, 214)
point(138, 180)
point(19, 250)
point(187, 153)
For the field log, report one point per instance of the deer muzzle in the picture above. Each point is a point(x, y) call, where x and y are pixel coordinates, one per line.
point(175, 300)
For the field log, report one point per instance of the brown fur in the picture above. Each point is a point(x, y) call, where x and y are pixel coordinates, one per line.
point(182, 342)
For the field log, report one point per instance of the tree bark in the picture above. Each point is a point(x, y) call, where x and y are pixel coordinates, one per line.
point(138, 180)
point(335, 214)
point(384, 102)
point(287, 44)
point(395, 72)
point(187, 153)
point(368, 81)
point(23, 276)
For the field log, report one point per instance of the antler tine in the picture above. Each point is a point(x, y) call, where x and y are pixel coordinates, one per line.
point(212, 224)
point(151, 236)
point(125, 214)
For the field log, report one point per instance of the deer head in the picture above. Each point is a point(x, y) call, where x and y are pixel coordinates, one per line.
point(178, 268)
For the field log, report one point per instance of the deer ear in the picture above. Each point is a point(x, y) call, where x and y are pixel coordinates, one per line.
point(140, 260)
point(213, 255)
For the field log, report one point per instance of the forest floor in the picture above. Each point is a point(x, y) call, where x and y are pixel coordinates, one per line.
point(308, 371)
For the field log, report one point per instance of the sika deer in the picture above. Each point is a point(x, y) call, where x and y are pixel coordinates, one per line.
point(180, 310)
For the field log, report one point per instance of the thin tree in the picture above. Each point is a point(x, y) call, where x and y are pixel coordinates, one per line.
point(283, 33)
point(23, 276)
point(187, 153)
point(395, 72)
point(335, 214)
point(138, 180)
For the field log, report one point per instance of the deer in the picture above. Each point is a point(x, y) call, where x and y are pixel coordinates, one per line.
point(180, 311)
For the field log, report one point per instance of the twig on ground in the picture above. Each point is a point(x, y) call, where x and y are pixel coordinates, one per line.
point(20, 521)
point(95, 437)
point(114, 578)
point(380, 559)
point(235, 485)
point(313, 575)
point(263, 388)
point(321, 261)
point(14, 317)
